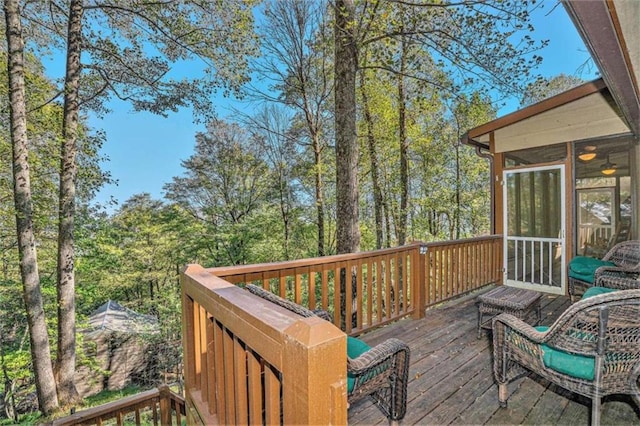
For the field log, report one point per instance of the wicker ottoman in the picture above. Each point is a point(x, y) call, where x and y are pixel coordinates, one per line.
point(515, 301)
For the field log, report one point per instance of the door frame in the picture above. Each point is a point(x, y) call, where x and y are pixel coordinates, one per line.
point(562, 238)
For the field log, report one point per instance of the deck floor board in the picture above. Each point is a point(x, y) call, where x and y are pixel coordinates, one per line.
point(451, 376)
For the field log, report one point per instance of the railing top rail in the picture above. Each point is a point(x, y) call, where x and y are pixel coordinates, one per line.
point(110, 409)
point(249, 317)
point(463, 241)
point(224, 271)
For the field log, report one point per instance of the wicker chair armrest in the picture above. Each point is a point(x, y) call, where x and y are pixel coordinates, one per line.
point(625, 253)
point(618, 271)
point(375, 356)
point(521, 327)
point(618, 282)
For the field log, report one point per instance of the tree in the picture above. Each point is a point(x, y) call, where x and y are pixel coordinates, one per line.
point(44, 135)
point(38, 335)
point(544, 88)
point(271, 128)
point(296, 60)
point(66, 354)
point(472, 176)
point(135, 256)
point(224, 186)
point(473, 42)
point(117, 38)
point(373, 160)
point(347, 155)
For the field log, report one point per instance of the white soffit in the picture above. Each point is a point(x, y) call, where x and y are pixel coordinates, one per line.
point(585, 118)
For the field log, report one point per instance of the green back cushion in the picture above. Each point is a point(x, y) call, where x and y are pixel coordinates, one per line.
point(578, 366)
point(355, 348)
point(583, 268)
point(595, 291)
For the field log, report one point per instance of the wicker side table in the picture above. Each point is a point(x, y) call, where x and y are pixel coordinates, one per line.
point(518, 302)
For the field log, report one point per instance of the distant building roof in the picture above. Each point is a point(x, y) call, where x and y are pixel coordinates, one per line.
point(115, 317)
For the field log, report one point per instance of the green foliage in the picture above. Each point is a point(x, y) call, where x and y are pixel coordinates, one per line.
point(32, 418)
point(226, 181)
point(108, 396)
point(132, 50)
point(449, 184)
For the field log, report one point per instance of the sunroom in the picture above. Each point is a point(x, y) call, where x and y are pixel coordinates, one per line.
point(564, 183)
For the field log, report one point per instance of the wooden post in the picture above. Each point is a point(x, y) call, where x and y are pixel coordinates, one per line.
point(314, 374)
point(499, 226)
point(418, 280)
point(188, 336)
point(165, 405)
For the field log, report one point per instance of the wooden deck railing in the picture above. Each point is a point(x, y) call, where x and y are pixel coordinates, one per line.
point(157, 406)
point(249, 365)
point(386, 285)
point(453, 268)
point(245, 363)
point(378, 291)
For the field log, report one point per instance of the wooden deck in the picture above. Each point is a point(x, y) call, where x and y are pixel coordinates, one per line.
point(451, 377)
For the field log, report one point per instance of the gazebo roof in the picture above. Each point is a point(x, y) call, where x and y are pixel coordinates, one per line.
point(114, 317)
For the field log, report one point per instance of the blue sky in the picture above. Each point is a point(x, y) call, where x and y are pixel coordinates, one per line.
point(145, 150)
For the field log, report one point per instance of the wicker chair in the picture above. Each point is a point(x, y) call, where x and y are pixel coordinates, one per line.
point(592, 349)
point(625, 257)
point(381, 372)
point(617, 282)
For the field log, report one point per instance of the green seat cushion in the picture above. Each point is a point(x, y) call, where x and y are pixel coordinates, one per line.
point(355, 348)
point(595, 291)
point(583, 268)
point(578, 366)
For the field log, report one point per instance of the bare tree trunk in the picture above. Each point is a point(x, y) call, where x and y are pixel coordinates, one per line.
point(404, 146)
point(66, 354)
point(317, 151)
point(346, 67)
point(373, 159)
point(457, 212)
point(387, 221)
point(39, 338)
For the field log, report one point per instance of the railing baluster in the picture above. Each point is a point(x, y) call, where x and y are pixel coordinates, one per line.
point(272, 397)
point(312, 289)
point(218, 353)
point(203, 345)
point(379, 290)
point(348, 297)
point(325, 289)
point(255, 391)
point(210, 374)
point(369, 286)
point(359, 294)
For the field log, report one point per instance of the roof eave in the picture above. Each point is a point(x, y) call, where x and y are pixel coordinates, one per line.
point(535, 109)
point(599, 26)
